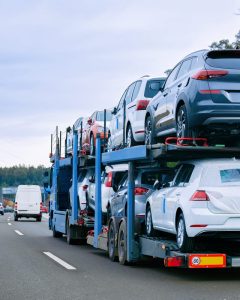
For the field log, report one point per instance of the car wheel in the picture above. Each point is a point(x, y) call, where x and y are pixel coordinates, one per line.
point(182, 123)
point(39, 219)
point(111, 241)
point(185, 243)
point(56, 234)
point(92, 147)
point(122, 243)
point(130, 140)
point(70, 241)
point(15, 218)
point(148, 131)
point(149, 224)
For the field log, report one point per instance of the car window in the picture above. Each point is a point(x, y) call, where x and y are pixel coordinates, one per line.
point(129, 94)
point(183, 175)
point(120, 104)
point(172, 76)
point(220, 176)
point(100, 116)
point(136, 89)
point(185, 67)
point(123, 182)
point(153, 86)
point(228, 59)
point(195, 63)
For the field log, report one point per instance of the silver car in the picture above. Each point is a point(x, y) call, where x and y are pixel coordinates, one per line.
point(144, 186)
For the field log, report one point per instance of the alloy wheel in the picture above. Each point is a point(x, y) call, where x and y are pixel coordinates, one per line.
point(181, 124)
point(148, 132)
point(180, 232)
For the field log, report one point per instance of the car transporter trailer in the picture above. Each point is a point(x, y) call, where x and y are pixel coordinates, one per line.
point(119, 237)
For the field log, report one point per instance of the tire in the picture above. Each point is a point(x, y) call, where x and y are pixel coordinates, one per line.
point(122, 243)
point(39, 219)
point(148, 135)
point(182, 123)
point(70, 241)
point(112, 247)
point(185, 243)
point(56, 234)
point(92, 147)
point(149, 224)
point(15, 218)
point(109, 214)
point(130, 142)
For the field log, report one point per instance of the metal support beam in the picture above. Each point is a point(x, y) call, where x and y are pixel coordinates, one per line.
point(98, 192)
point(130, 213)
point(74, 215)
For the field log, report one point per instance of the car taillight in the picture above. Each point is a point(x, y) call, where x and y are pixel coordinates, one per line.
point(142, 104)
point(199, 196)
point(140, 191)
point(108, 183)
point(84, 187)
point(208, 74)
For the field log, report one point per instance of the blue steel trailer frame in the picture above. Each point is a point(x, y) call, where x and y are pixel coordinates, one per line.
point(149, 154)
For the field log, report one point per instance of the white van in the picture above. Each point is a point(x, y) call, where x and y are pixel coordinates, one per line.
point(28, 202)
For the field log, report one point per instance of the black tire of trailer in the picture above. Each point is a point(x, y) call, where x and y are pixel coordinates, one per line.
point(15, 218)
point(122, 243)
point(56, 234)
point(70, 240)
point(39, 219)
point(112, 240)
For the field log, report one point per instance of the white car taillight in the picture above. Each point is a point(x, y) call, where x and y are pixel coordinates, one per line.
point(199, 196)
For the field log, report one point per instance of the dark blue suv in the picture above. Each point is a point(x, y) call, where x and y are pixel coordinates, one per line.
point(200, 98)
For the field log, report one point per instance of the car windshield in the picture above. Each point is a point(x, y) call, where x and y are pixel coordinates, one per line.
point(100, 116)
point(220, 176)
point(153, 86)
point(224, 59)
point(150, 177)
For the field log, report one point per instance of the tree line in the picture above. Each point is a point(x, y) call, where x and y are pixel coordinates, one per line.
point(16, 175)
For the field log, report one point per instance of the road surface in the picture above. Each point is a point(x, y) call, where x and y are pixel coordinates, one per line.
point(34, 265)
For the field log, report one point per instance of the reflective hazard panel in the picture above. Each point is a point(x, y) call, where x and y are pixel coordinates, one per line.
point(207, 261)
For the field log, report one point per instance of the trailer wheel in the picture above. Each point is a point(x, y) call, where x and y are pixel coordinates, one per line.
point(112, 249)
point(185, 243)
point(70, 241)
point(122, 243)
point(15, 217)
point(149, 224)
point(56, 234)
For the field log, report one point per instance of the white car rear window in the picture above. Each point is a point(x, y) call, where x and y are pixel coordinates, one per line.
point(220, 176)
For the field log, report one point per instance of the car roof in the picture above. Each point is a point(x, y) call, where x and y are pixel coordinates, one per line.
point(148, 77)
point(213, 162)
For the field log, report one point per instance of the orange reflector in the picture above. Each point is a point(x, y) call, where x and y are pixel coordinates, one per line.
point(177, 261)
point(207, 261)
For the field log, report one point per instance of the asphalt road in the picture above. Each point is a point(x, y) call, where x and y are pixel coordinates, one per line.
point(27, 273)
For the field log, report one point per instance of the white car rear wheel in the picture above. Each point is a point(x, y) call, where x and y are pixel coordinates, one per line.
point(185, 243)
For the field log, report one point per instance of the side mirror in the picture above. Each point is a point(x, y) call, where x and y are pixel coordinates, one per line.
point(157, 185)
point(114, 111)
point(166, 184)
point(91, 179)
point(68, 129)
point(89, 121)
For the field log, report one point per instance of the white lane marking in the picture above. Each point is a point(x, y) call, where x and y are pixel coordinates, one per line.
point(9, 224)
point(60, 261)
point(18, 232)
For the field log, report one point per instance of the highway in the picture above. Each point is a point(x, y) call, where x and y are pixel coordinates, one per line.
point(34, 265)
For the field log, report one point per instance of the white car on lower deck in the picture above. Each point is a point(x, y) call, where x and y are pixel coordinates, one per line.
point(202, 200)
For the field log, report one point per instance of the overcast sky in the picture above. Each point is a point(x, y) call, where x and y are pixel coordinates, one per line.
point(63, 59)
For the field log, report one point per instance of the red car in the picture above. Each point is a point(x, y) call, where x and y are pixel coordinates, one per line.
point(94, 125)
